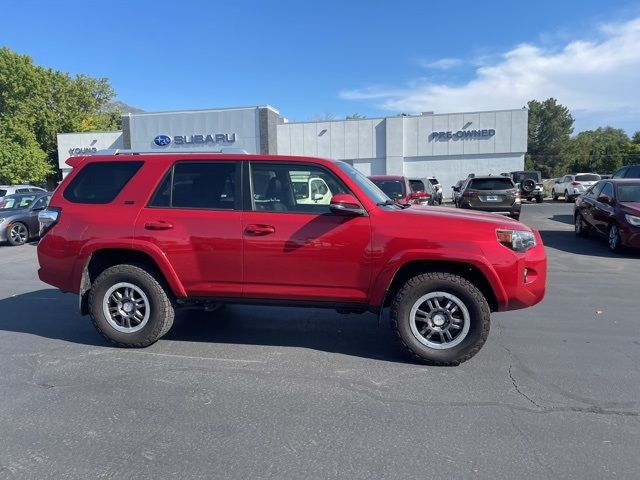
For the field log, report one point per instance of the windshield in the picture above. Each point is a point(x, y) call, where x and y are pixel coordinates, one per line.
point(369, 188)
point(519, 177)
point(590, 177)
point(503, 183)
point(629, 193)
point(16, 202)
point(394, 189)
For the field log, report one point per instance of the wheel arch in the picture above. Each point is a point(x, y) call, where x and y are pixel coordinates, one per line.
point(101, 259)
point(461, 268)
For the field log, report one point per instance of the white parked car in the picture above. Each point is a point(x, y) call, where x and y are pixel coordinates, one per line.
point(13, 189)
point(570, 186)
point(438, 190)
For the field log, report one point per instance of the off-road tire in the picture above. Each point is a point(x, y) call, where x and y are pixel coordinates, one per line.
point(554, 195)
point(479, 312)
point(539, 199)
point(161, 305)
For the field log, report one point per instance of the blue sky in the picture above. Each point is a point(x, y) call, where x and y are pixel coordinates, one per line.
point(375, 58)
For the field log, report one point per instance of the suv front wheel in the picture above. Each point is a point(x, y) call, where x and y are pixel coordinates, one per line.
point(441, 318)
point(129, 306)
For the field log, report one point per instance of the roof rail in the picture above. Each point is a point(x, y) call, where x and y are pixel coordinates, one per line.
point(124, 151)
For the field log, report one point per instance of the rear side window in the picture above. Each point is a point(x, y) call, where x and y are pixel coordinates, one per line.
point(497, 183)
point(210, 185)
point(100, 182)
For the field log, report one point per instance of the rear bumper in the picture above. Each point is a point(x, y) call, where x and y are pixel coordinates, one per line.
point(505, 210)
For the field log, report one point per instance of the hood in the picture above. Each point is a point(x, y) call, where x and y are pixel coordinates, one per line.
point(632, 208)
point(464, 215)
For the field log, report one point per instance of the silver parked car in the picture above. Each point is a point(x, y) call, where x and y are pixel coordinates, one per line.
point(19, 216)
point(13, 189)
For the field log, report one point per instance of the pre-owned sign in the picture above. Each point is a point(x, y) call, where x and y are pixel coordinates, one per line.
point(462, 134)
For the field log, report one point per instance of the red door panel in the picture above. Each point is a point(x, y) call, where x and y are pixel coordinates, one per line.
point(305, 256)
point(203, 246)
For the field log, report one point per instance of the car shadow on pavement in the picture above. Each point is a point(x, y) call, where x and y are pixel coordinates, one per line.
point(51, 314)
point(594, 245)
point(568, 219)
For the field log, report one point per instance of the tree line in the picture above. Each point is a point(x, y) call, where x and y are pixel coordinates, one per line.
point(36, 103)
point(552, 149)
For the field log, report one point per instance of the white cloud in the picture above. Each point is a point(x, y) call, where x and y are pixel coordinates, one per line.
point(597, 76)
point(441, 64)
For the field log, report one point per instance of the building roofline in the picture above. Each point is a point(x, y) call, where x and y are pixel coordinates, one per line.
point(202, 110)
point(417, 115)
point(88, 133)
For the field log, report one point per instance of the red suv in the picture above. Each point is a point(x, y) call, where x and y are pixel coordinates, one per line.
point(140, 235)
point(408, 191)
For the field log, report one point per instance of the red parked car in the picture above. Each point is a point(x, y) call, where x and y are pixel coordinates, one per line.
point(611, 208)
point(412, 191)
point(139, 235)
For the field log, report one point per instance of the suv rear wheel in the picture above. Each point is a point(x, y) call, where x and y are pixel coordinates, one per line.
point(441, 318)
point(130, 307)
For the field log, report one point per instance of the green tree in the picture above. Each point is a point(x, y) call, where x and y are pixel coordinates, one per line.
point(355, 116)
point(21, 158)
point(550, 129)
point(636, 138)
point(45, 102)
point(602, 150)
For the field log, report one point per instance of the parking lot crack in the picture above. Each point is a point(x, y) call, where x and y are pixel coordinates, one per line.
point(517, 388)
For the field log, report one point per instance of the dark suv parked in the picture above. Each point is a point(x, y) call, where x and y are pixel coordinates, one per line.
point(529, 183)
point(139, 235)
point(630, 171)
point(496, 194)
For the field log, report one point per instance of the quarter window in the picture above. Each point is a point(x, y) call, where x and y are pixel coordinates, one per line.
point(100, 182)
point(294, 188)
point(209, 185)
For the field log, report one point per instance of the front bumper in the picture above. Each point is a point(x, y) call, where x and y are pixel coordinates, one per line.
point(525, 281)
point(630, 236)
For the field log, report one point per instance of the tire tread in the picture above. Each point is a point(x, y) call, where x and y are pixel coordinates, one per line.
point(156, 284)
point(463, 283)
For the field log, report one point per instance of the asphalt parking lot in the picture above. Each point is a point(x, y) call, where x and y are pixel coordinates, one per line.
point(257, 392)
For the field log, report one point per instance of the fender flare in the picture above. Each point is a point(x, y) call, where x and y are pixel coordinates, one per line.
point(384, 279)
point(152, 251)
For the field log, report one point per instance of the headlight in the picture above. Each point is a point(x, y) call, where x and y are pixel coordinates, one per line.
point(517, 240)
point(635, 221)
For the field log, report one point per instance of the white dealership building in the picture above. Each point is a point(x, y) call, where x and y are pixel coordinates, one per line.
point(448, 146)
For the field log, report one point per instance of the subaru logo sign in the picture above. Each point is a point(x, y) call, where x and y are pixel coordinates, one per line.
point(162, 140)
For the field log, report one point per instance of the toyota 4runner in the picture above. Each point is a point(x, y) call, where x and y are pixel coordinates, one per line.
point(139, 235)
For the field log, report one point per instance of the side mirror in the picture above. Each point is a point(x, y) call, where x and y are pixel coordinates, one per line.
point(346, 203)
point(604, 199)
point(317, 197)
point(455, 189)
